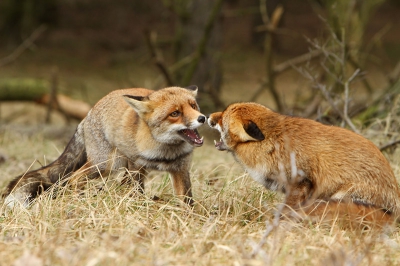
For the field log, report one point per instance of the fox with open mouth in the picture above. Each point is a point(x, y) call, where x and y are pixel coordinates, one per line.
point(324, 171)
point(137, 129)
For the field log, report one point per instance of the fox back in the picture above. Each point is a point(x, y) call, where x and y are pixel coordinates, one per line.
point(311, 160)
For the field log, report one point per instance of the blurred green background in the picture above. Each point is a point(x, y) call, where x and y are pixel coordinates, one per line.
point(234, 50)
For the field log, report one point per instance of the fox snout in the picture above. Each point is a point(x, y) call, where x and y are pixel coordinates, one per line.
point(197, 122)
point(201, 119)
point(213, 119)
point(211, 123)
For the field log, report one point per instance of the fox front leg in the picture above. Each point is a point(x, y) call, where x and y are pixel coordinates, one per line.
point(299, 192)
point(182, 186)
point(135, 176)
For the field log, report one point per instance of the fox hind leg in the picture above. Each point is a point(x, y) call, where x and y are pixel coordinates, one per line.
point(98, 167)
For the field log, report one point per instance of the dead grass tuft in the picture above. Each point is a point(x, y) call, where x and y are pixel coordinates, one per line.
point(109, 224)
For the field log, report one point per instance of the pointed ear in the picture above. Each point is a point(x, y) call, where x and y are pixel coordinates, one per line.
point(254, 131)
point(247, 131)
point(193, 89)
point(138, 103)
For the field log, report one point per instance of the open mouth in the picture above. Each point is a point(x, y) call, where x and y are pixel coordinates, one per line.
point(192, 137)
point(219, 145)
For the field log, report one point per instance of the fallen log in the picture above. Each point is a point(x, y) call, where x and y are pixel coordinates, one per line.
point(38, 91)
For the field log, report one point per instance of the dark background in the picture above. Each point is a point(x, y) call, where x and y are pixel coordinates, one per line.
point(97, 46)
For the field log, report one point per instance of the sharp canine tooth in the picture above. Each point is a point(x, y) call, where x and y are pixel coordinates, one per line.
point(215, 142)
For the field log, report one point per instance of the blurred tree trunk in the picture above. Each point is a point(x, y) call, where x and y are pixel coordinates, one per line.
point(258, 37)
point(199, 24)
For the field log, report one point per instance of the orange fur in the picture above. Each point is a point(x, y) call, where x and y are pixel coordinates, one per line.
point(309, 161)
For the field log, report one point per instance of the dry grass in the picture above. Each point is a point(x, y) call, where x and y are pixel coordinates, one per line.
point(110, 226)
point(116, 226)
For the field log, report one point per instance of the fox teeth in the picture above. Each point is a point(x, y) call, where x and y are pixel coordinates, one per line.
point(215, 142)
point(200, 140)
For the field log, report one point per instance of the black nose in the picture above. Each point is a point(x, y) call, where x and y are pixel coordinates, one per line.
point(201, 119)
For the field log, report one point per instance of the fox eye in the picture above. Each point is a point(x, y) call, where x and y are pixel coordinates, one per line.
point(175, 114)
point(193, 106)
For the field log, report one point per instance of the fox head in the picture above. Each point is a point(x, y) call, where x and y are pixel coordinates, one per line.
point(172, 114)
point(237, 124)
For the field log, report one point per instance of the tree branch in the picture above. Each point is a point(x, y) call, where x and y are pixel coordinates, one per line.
point(23, 46)
point(157, 56)
point(272, 24)
point(389, 145)
point(296, 61)
point(201, 48)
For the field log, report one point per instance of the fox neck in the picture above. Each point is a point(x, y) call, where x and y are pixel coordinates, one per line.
point(270, 152)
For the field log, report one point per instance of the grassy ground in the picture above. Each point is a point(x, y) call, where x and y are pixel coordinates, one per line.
point(115, 226)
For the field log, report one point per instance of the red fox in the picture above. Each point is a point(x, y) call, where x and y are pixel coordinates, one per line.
point(137, 129)
point(323, 170)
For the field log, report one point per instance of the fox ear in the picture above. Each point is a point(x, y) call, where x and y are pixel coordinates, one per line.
point(193, 89)
point(254, 131)
point(248, 131)
point(138, 103)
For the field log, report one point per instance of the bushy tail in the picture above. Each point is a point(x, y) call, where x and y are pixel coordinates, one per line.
point(26, 187)
point(347, 214)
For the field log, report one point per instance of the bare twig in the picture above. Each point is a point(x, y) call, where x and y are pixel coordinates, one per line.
point(181, 63)
point(259, 91)
point(240, 12)
point(312, 106)
point(365, 82)
point(52, 95)
point(297, 61)
point(294, 178)
point(270, 228)
point(264, 12)
point(325, 93)
point(268, 53)
point(327, 97)
point(395, 74)
point(346, 93)
point(284, 66)
point(389, 145)
point(158, 58)
point(201, 48)
point(331, 59)
point(24, 45)
point(53, 102)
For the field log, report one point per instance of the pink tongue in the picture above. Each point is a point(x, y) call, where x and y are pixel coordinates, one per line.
point(191, 134)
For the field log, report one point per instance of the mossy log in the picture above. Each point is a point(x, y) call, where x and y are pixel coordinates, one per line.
point(23, 89)
point(39, 91)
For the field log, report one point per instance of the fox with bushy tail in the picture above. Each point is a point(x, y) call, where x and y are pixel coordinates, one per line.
point(325, 171)
point(135, 129)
